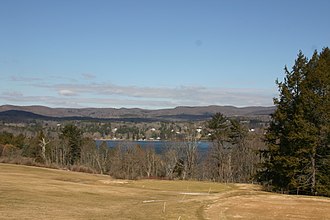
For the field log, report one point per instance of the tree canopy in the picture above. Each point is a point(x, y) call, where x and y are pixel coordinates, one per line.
point(297, 158)
point(72, 135)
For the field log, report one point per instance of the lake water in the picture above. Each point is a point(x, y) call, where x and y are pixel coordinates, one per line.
point(159, 146)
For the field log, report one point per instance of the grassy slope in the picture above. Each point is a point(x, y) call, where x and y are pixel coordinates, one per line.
point(38, 193)
point(248, 202)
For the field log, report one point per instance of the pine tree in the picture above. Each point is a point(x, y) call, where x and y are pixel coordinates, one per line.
point(219, 154)
point(297, 157)
point(317, 98)
point(72, 135)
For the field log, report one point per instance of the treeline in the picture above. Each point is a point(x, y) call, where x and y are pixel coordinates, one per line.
point(232, 156)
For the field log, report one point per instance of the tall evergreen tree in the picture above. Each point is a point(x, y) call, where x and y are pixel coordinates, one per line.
point(72, 135)
point(228, 152)
point(297, 139)
point(219, 154)
point(318, 103)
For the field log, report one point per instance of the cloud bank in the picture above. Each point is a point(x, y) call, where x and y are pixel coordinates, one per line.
point(111, 95)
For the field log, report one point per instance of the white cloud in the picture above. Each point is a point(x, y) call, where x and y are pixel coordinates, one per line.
point(111, 95)
point(66, 92)
point(74, 94)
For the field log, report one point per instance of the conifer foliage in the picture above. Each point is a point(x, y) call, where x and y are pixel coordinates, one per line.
point(72, 137)
point(297, 158)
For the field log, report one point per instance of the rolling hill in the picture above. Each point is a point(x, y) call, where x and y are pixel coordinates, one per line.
point(182, 113)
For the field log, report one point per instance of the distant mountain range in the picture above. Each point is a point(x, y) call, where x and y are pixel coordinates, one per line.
point(182, 113)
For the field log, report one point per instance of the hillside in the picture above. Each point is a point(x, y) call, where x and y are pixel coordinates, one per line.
point(178, 113)
point(40, 193)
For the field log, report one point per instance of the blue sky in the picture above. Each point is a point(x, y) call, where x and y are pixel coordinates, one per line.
point(153, 53)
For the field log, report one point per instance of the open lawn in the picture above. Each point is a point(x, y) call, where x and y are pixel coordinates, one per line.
point(40, 193)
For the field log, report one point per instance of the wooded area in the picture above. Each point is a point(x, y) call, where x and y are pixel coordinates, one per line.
point(232, 156)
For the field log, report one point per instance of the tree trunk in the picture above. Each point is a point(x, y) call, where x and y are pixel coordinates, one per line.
point(313, 191)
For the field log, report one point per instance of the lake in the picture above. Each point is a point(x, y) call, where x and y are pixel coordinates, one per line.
point(159, 146)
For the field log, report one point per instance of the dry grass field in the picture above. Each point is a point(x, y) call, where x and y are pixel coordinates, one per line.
point(40, 193)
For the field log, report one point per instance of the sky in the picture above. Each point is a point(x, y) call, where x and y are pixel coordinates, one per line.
point(153, 53)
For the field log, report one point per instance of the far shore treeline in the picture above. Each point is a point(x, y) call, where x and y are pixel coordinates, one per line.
point(290, 153)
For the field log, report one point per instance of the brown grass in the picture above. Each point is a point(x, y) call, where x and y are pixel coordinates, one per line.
point(248, 202)
point(41, 193)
